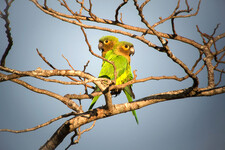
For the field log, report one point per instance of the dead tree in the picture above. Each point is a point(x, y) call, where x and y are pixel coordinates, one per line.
point(212, 58)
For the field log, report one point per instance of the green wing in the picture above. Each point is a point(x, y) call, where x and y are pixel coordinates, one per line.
point(107, 70)
point(110, 54)
point(129, 76)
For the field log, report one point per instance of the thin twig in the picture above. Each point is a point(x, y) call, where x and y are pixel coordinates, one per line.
point(219, 70)
point(72, 140)
point(66, 6)
point(90, 11)
point(68, 62)
point(197, 61)
point(81, 132)
point(175, 14)
point(172, 20)
point(143, 4)
point(44, 59)
point(47, 62)
point(121, 17)
point(202, 34)
point(8, 31)
point(88, 129)
point(118, 8)
point(78, 134)
point(45, 4)
point(140, 12)
point(85, 86)
point(82, 6)
point(39, 126)
point(71, 104)
point(219, 61)
point(221, 74)
point(214, 31)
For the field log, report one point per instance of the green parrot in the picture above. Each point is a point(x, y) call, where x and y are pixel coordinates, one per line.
point(106, 44)
point(120, 55)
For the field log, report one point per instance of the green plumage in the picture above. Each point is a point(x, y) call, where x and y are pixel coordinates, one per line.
point(120, 56)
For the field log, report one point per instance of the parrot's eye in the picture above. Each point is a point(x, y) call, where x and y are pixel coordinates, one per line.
point(106, 41)
point(126, 46)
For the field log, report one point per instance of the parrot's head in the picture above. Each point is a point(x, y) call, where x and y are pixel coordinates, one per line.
point(107, 43)
point(125, 49)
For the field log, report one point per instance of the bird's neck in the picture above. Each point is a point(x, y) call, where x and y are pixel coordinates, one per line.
point(122, 54)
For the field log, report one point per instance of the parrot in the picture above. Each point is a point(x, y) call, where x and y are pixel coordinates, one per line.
point(120, 56)
point(107, 43)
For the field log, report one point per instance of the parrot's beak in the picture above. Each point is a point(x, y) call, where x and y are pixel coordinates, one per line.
point(132, 51)
point(100, 46)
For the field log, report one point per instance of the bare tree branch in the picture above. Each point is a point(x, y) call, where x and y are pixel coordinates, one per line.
point(66, 18)
point(8, 31)
point(66, 6)
point(119, 7)
point(69, 103)
point(39, 126)
point(73, 79)
point(45, 60)
point(102, 112)
point(209, 54)
point(79, 133)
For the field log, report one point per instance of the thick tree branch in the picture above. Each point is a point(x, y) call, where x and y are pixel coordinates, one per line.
point(102, 112)
point(209, 54)
point(48, 73)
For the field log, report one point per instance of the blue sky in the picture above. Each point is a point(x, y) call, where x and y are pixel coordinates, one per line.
point(188, 124)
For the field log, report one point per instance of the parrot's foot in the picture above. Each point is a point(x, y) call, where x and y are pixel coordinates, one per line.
point(115, 92)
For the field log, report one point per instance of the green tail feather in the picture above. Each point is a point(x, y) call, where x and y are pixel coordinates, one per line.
point(93, 102)
point(135, 115)
point(94, 99)
point(129, 98)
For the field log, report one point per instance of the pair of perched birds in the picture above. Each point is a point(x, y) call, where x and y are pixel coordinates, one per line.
point(119, 53)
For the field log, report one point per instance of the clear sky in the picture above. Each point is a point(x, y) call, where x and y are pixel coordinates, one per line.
point(188, 124)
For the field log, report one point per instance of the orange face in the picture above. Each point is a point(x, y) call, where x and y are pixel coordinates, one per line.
point(107, 43)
